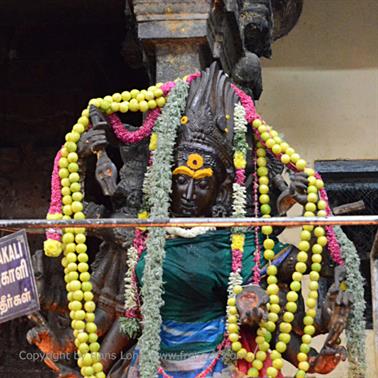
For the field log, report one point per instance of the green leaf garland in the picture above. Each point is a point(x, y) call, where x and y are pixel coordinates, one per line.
point(160, 178)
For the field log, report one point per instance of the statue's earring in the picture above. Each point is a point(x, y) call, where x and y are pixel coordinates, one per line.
point(219, 210)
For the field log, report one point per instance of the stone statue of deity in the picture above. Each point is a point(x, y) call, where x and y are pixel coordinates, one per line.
point(196, 302)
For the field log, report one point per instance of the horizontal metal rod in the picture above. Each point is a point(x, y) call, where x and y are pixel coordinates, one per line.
point(347, 220)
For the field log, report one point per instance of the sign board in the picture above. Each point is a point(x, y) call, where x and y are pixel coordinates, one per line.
point(18, 290)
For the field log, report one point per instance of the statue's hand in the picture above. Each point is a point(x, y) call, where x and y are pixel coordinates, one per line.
point(93, 210)
point(327, 360)
point(251, 304)
point(338, 306)
point(296, 192)
point(298, 186)
point(92, 141)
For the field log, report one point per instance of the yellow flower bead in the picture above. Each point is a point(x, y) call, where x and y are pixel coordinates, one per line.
point(281, 346)
point(322, 205)
point(260, 152)
point(276, 149)
point(271, 371)
point(271, 280)
point(237, 241)
point(143, 215)
point(300, 267)
point(268, 243)
point(304, 365)
point(273, 317)
point(152, 104)
point(274, 355)
point(160, 102)
point(278, 363)
point(143, 106)
point(237, 289)
point(272, 269)
point(275, 308)
point(285, 159)
point(253, 372)
point(257, 364)
point(232, 319)
point(52, 248)
point(140, 97)
point(239, 160)
point(292, 296)
point(268, 254)
point(308, 320)
point(134, 105)
point(260, 355)
point(322, 213)
point(231, 301)
point(232, 310)
point(294, 157)
point(126, 96)
point(256, 123)
point(322, 241)
point(274, 299)
point(233, 329)
point(300, 164)
point(266, 230)
point(115, 106)
point(249, 357)
point(242, 353)
point(288, 317)
point(304, 245)
point(124, 107)
point(285, 327)
point(236, 346)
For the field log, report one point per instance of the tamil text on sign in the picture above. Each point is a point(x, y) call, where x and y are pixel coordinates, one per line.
point(18, 292)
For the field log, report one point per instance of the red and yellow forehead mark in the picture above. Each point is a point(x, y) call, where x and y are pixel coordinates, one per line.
point(193, 168)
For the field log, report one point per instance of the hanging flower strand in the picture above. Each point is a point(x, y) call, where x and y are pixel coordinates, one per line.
point(160, 179)
point(125, 136)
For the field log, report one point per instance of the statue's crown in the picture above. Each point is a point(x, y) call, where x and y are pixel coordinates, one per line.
point(208, 127)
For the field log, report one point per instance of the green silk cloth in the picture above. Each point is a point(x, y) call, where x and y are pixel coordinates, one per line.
point(196, 272)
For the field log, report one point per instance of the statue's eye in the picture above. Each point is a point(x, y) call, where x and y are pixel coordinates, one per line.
point(203, 184)
point(181, 179)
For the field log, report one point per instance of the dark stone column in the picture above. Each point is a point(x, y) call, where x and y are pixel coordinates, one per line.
point(173, 34)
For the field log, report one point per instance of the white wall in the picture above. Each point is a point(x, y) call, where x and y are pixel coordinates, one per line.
point(321, 87)
point(321, 92)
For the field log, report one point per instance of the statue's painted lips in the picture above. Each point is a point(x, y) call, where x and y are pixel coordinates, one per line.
point(188, 208)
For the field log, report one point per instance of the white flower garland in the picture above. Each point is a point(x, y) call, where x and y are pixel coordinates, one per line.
point(188, 232)
point(239, 201)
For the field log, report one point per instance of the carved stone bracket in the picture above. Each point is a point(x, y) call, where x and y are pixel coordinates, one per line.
point(179, 37)
point(172, 34)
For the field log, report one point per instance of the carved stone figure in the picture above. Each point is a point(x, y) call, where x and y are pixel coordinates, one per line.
point(196, 270)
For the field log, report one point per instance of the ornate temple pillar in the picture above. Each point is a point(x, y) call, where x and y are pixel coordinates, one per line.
point(173, 35)
point(179, 37)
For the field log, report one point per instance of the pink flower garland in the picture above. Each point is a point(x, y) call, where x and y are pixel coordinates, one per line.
point(240, 176)
point(129, 137)
point(55, 199)
point(257, 256)
point(246, 101)
point(333, 244)
point(237, 258)
point(139, 244)
point(166, 87)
